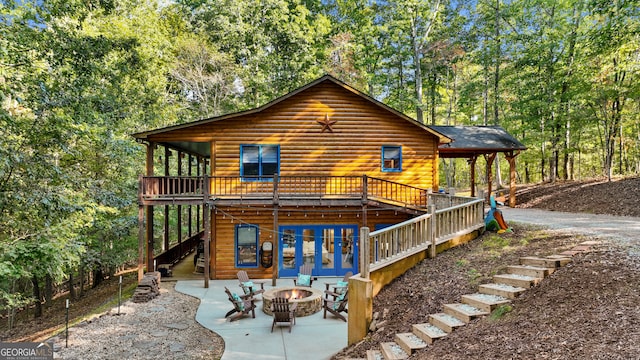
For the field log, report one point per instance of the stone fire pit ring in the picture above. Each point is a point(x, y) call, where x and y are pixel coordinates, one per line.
point(307, 305)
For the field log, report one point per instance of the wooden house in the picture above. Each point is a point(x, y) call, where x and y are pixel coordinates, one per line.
point(288, 183)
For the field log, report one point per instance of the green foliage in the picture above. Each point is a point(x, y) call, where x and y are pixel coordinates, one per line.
point(462, 263)
point(494, 241)
point(500, 311)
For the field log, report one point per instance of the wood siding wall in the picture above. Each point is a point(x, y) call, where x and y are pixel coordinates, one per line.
point(353, 148)
point(226, 219)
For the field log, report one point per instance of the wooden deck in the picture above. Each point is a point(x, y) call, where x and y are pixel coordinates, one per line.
point(279, 190)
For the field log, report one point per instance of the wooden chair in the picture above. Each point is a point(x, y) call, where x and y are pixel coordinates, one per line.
point(340, 286)
point(283, 312)
point(337, 304)
point(305, 270)
point(242, 305)
point(249, 287)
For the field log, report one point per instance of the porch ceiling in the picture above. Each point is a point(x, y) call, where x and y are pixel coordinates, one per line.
point(190, 147)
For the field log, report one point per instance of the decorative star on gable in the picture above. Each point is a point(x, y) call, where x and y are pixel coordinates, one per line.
point(327, 123)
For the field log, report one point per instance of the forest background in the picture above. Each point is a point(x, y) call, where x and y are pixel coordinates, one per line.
point(77, 77)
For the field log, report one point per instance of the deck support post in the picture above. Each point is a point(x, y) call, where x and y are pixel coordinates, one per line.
point(365, 199)
point(140, 231)
point(432, 230)
point(149, 223)
point(207, 231)
point(276, 236)
point(179, 207)
point(364, 252)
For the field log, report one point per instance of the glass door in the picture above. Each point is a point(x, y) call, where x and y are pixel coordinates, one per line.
point(330, 249)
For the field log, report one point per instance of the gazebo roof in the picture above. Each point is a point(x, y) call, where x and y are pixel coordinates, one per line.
point(471, 141)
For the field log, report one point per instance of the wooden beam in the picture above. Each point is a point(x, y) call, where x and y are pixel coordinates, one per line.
point(276, 244)
point(207, 233)
point(511, 158)
point(149, 223)
point(179, 207)
point(190, 219)
point(489, 159)
point(207, 245)
point(472, 164)
point(166, 242)
point(140, 231)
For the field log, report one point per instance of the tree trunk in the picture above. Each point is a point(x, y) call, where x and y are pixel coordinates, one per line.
point(417, 70)
point(81, 275)
point(72, 289)
point(36, 295)
point(496, 77)
point(98, 276)
point(48, 290)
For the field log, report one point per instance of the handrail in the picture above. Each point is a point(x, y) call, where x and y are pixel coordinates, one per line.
point(277, 187)
point(401, 240)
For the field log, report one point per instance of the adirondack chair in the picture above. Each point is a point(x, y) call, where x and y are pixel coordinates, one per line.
point(340, 286)
point(242, 305)
point(249, 287)
point(304, 276)
point(336, 303)
point(283, 312)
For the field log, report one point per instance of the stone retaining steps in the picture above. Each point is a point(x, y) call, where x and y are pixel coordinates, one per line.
point(519, 278)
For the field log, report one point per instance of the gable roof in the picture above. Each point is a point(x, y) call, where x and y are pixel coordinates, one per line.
point(470, 141)
point(195, 148)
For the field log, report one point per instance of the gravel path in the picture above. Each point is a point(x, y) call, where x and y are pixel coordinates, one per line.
point(164, 328)
point(624, 229)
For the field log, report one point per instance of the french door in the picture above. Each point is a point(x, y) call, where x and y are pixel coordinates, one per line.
point(330, 249)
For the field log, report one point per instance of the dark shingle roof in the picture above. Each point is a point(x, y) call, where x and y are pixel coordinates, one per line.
point(471, 141)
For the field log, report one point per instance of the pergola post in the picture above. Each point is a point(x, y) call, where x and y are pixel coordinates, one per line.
point(511, 158)
point(490, 158)
point(472, 164)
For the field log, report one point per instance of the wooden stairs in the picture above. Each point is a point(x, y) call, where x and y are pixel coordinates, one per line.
point(505, 287)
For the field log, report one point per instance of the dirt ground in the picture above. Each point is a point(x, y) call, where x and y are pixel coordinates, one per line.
point(588, 310)
point(618, 197)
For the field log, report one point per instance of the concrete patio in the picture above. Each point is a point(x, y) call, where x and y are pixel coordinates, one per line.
point(313, 337)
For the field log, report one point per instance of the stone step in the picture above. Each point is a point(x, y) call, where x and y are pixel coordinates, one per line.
point(522, 281)
point(445, 322)
point(540, 262)
point(374, 355)
point(428, 332)
point(392, 351)
point(564, 260)
point(464, 312)
point(539, 272)
point(506, 291)
point(409, 342)
point(484, 301)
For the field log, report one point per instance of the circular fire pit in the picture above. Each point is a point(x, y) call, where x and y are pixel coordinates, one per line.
point(309, 300)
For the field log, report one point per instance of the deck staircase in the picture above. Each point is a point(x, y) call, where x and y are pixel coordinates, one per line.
point(505, 287)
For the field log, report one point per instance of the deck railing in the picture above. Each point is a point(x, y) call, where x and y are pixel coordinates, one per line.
point(407, 238)
point(280, 187)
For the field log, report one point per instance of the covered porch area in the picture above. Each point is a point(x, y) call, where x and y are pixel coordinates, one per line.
point(471, 142)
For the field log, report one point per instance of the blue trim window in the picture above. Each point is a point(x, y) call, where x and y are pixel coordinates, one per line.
point(259, 161)
point(246, 241)
point(392, 158)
